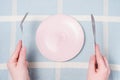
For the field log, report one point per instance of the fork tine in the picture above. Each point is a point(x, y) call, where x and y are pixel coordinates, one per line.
point(21, 24)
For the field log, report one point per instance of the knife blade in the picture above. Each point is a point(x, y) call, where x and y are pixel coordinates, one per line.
point(94, 35)
point(93, 28)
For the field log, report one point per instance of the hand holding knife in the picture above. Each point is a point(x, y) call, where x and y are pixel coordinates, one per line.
point(94, 35)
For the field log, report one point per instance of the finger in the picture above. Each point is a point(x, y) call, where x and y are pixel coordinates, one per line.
point(27, 64)
point(99, 57)
point(107, 65)
point(92, 63)
point(106, 62)
point(22, 57)
point(97, 52)
point(15, 55)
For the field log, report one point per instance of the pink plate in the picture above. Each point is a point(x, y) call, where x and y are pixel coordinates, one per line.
point(59, 37)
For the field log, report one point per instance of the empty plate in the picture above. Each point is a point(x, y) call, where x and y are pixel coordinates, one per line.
point(59, 38)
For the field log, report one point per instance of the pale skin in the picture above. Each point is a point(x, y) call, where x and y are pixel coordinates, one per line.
point(18, 66)
point(102, 71)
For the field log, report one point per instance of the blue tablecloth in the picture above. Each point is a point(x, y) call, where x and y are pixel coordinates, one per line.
point(107, 16)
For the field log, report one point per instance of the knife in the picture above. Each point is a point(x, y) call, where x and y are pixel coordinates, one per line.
point(94, 35)
point(94, 29)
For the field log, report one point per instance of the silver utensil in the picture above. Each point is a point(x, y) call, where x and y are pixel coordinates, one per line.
point(21, 24)
point(21, 27)
point(94, 34)
point(94, 29)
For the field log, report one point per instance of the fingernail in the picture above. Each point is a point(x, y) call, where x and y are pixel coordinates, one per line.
point(20, 42)
point(23, 48)
point(97, 45)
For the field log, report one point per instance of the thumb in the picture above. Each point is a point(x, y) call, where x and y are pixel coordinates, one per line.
point(22, 56)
